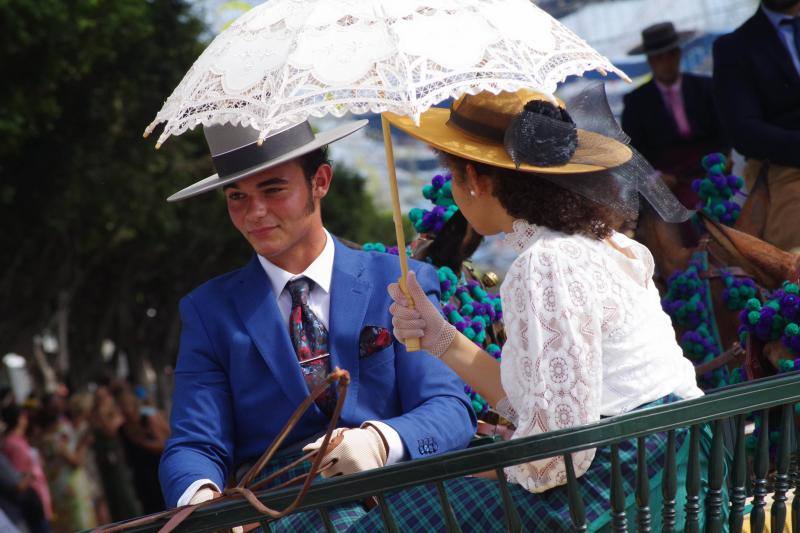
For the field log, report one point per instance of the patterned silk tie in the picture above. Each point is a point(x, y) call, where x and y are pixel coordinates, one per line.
point(310, 341)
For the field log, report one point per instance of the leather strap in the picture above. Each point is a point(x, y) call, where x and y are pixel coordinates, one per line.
point(734, 353)
point(244, 489)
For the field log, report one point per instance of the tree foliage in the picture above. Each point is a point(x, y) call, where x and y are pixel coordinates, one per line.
point(87, 234)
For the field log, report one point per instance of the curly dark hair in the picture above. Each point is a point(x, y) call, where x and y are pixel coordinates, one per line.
point(539, 201)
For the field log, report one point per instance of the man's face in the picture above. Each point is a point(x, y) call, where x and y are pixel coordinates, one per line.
point(276, 209)
point(666, 66)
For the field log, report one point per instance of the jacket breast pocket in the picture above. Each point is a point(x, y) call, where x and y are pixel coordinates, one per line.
point(377, 359)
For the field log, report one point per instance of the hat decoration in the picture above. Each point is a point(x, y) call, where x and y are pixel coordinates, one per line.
point(542, 135)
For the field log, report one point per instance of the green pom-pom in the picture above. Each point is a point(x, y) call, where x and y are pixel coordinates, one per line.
point(428, 191)
point(774, 304)
point(467, 309)
point(469, 333)
point(785, 365)
point(791, 329)
point(791, 288)
point(753, 317)
point(753, 304)
point(719, 168)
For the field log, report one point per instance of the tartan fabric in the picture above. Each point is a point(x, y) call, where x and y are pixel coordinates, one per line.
point(343, 516)
point(477, 503)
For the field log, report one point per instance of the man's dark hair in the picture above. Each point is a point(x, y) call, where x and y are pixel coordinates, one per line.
point(10, 415)
point(779, 5)
point(311, 161)
point(539, 201)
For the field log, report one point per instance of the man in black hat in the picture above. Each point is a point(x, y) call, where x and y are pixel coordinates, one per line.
point(757, 90)
point(671, 119)
point(255, 341)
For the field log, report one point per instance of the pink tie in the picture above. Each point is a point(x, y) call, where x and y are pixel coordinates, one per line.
point(678, 111)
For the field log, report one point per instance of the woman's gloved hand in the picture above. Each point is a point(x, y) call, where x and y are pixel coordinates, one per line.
point(424, 321)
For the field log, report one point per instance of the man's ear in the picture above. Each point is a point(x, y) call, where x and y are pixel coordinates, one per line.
point(321, 181)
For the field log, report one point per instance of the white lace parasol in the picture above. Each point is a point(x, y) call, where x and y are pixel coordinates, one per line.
point(286, 60)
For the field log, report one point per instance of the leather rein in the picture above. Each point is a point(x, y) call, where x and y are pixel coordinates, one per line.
point(244, 490)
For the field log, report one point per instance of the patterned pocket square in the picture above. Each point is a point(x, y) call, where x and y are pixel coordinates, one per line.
point(372, 340)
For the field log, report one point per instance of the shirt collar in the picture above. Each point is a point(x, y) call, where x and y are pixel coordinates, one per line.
point(667, 88)
point(774, 17)
point(319, 271)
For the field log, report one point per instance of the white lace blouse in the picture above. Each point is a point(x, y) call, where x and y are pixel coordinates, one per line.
point(586, 338)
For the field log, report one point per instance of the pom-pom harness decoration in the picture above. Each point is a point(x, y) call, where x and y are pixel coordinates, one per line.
point(466, 304)
point(688, 298)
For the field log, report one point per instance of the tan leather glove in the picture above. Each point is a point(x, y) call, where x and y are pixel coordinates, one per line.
point(424, 322)
point(360, 449)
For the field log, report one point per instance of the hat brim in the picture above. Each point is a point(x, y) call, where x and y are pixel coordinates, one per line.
point(320, 139)
point(683, 38)
point(604, 152)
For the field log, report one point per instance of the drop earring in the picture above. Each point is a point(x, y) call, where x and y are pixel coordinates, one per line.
point(472, 193)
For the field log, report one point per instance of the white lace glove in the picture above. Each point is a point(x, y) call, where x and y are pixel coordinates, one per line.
point(204, 494)
point(424, 322)
point(361, 449)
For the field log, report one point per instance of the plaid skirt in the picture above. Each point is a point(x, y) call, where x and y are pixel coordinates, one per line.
point(478, 507)
point(342, 516)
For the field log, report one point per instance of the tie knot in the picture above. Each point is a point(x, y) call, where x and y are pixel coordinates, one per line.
point(298, 289)
point(793, 22)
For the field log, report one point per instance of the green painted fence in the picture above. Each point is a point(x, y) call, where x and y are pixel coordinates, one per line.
point(724, 409)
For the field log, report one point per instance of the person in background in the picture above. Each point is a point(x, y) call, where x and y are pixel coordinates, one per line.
point(671, 119)
point(144, 434)
point(757, 91)
point(112, 463)
point(25, 459)
point(65, 456)
point(80, 410)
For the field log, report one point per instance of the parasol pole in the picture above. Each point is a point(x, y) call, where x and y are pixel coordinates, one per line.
point(412, 345)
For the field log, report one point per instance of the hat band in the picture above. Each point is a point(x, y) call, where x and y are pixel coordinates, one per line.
point(273, 147)
point(476, 128)
point(660, 42)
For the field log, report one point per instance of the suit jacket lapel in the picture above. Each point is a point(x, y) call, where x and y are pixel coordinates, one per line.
point(258, 308)
point(350, 295)
point(663, 116)
point(773, 45)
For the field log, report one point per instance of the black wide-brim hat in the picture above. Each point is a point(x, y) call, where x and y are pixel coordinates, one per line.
point(237, 154)
point(660, 38)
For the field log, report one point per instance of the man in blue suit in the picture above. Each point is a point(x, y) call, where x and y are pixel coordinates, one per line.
point(757, 92)
point(256, 340)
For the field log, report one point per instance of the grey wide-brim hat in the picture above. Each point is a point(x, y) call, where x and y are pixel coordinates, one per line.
point(236, 153)
point(660, 38)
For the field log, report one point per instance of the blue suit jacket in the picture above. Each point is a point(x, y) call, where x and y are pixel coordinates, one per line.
point(237, 379)
point(757, 91)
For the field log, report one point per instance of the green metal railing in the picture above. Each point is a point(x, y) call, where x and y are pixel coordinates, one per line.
point(724, 409)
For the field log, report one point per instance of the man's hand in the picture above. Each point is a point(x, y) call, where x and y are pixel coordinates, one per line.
point(360, 449)
point(206, 493)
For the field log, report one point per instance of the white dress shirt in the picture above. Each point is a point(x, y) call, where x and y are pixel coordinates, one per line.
point(320, 271)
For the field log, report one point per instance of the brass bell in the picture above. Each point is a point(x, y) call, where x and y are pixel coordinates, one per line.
point(489, 279)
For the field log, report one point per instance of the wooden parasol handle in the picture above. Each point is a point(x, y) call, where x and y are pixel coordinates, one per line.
point(412, 345)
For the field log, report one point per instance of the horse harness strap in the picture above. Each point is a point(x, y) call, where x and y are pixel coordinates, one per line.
point(244, 489)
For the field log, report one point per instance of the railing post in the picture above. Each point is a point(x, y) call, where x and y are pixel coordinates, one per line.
point(447, 509)
point(693, 482)
point(760, 472)
point(739, 476)
point(576, 510)
point(618, 520)
point(326, 520)
point(389, 525)
point(642, 488)
point(778, 513)
point(796, 475)
point(716, 470)
point(513, 523)
point(669, 486)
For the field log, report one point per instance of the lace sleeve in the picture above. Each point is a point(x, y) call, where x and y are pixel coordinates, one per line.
point(554, 377)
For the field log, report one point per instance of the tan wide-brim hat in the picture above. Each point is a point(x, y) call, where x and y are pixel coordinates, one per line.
point(473, 129)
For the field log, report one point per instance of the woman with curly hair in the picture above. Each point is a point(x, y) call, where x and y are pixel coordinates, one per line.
point(587, 337)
